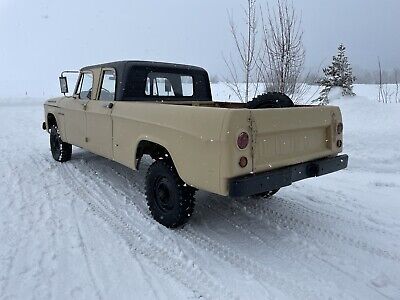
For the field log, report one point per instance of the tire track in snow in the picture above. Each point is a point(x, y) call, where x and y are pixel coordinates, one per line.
point(291, 222)
point(9, 266)
point(84, 250)
point(187, 273)
point(126, 194)
point(239, 226)
point(346, 199)
point(34, 218)
point(9, 260)
point(293, 205)
point(131, 185)
point(229, 257)
point(52, 221)
point(306, 260)
point(247, 265)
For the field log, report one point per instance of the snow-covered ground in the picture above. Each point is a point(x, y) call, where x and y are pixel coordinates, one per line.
point(81, 230)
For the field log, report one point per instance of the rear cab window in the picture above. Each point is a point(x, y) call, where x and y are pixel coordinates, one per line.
point(147, 83)
point(169, 85)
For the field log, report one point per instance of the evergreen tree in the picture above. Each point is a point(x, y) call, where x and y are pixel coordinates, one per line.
point(338, 74)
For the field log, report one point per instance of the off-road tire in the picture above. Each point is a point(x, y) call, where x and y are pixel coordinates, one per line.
point(170, 201)
point(270, 100)
point(60, 150)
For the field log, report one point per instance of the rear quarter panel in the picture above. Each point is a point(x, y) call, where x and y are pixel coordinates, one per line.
point(192, 136)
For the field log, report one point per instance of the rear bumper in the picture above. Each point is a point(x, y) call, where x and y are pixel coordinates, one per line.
point(275, 179)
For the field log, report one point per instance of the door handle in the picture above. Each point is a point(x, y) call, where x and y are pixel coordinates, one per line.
point(109, 105)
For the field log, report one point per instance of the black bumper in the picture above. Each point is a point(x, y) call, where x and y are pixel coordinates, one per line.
point(259, 183)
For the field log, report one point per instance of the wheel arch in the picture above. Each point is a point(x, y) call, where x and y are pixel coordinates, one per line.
point(154, 149)
point(51, 120)
point(53, 117)
point(158, 150)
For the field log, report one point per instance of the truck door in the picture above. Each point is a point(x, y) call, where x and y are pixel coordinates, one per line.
point(98, 116)
point(74, 110)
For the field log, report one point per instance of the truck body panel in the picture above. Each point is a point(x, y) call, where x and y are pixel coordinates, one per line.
point(288, 136)
point(190, 134)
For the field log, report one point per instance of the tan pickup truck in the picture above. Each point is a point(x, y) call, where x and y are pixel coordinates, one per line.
point(124, 110)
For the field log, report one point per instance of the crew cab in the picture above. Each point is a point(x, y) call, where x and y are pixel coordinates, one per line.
point(127, 109)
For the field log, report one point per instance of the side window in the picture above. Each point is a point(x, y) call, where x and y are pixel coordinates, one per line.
point(187, 86)
point(168, 85)
point(107, 92)
point(85, 86)
point(161, 87)
point(147, 91)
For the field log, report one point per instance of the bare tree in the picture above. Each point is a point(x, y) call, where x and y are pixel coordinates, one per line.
point(246, 47)
point(380, 92)
point(384, 94)
point(396, 82)
point(283, 61)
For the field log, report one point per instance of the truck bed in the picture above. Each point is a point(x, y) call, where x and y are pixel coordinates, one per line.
point(279, 137)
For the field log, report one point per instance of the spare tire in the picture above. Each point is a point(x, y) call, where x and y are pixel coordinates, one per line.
point(270, 100)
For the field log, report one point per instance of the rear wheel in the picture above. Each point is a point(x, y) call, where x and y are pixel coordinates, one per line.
point(170, 200)
point(60, 150)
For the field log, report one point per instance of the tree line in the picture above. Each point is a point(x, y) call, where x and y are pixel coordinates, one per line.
point(272, 56)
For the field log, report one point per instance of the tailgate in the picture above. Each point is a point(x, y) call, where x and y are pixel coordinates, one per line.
point(289, 136)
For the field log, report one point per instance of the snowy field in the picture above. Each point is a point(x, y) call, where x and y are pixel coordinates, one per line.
point(81, 230)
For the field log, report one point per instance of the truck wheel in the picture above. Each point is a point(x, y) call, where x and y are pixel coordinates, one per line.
point(270, 100)
point(170, 201)
point(60, 150)
point(268, 194)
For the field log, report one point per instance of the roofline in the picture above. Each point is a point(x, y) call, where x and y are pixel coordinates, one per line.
point(143, 63)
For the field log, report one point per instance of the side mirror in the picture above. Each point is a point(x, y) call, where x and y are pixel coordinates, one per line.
point(63, 85)
point(64, 82)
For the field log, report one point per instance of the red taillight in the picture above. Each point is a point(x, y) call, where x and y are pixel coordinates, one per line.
point(243, 140)
point(339, 128)
point(243, 162)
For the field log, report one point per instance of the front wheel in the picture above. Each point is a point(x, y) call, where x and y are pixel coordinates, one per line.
point(170, 200)
point(60, 150)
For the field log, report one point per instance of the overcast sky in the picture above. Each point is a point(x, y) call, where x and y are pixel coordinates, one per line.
point(41, 38)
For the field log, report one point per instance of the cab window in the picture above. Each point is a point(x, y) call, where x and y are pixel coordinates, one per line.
point(84, 89)
point(169, 85)
point(161, 87)
point(107, 92)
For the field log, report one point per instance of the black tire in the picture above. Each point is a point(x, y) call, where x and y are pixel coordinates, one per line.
point(60, 150)
point(266, 195)
point(170, 200)
point(270, 100)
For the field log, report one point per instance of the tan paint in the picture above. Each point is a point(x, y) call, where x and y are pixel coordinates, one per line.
point(74, 128)
point(200, 137)
point(99, 128)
